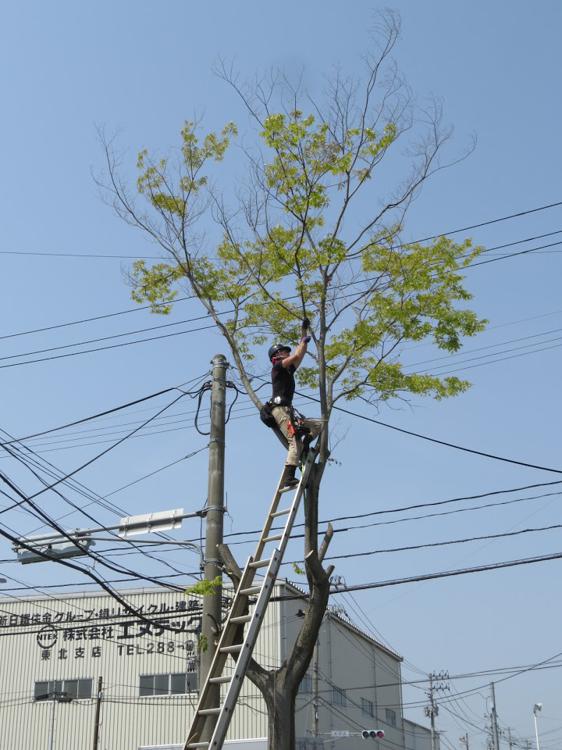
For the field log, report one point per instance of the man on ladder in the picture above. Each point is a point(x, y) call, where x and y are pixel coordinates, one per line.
point(298, 431)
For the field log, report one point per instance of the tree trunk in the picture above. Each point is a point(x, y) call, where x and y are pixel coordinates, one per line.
point(280, 703)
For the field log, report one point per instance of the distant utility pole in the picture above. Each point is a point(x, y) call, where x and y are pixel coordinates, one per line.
point(464, 741)
point(509, 739)
point(212, 610)
point(438, 682)
point(97, 714)
point(495, 732)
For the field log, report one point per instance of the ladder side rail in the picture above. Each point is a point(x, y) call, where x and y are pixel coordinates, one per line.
point(250, 639)
point(296, 500)
point(296, 503)
point(229, 629)
point(220, 658)
point(235, 684)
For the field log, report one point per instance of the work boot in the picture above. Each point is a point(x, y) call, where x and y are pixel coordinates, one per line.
point(288, 479)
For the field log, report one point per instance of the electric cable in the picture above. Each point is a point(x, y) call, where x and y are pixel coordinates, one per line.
point(106, 348)
point(94, 318)
point(176, 333)
point(206, 387)
point(463, 448)
point(104, 452)
point(92, 416)
point(69, 537)
point(109, 337)
point(91, 496)
point(447, 444)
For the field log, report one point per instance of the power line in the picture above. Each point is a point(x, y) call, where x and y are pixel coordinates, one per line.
point(447, 542)
point(105, 348)
point(163, 336)
point(97, 415)
point(426, 239)
point(107, 338)
point(447, 359)
point(479, 225)
point(448, 573)
point(431, 439)
point(444, 442)
point(48, 254)
point(99, 455)
point(97, 558)
point(489, 222)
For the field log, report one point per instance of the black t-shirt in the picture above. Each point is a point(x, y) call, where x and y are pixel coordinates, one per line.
point(283, 382)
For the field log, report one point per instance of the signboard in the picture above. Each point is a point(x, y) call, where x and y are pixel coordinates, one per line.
point(172, 626)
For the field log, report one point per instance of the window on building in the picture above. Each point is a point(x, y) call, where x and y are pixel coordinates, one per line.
point(367, 707)
point(306, 684)
point(390, 717)
point(310, 744)
point(339, 697)
point(76, 689)
point(177, 683)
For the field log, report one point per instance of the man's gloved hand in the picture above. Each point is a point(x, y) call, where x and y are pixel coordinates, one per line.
point(305, 339)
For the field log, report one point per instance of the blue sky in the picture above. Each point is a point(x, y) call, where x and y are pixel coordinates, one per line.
point(139, 70)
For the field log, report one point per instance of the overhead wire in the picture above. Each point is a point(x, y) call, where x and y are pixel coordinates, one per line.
point(504, 245)
point(91, 417)
point(428, 438)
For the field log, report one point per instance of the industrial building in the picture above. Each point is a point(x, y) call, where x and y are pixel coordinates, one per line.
point(79, 669)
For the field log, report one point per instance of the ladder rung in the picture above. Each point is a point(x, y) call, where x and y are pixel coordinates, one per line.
point(272, 538)
point(251, 590)
point(220, 680)
point(198, 744)
point(283, 512)
point(259, 564)
point(209, 711)
point(231, 649)
point(240, 618)
point(287, 489)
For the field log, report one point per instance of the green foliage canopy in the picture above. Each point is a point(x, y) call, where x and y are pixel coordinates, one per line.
point(304, 249)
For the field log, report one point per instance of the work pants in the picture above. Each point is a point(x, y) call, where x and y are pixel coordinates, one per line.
point(282, 416)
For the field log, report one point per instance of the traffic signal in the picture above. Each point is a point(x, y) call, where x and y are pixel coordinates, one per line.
point(372, 734)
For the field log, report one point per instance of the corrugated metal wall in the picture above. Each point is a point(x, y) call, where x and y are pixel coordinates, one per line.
point(354, 673)
point(89, 636)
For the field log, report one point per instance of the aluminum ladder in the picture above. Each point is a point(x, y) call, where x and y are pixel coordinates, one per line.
point(237, 616)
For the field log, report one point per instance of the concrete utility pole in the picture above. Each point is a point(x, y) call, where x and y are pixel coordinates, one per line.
point(432, 710)
point(56, 697)
point(214, 531)
point(97, 714)
point(511, 743)
point(536, 709)
point(495, 732)
point(464, 741)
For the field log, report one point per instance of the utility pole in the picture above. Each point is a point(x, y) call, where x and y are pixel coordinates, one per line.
point(56, 697)
point(464, 741)
point(97, 714)
point(511, 743)
point(495, 732)
point(438, 682)
point(211, 621)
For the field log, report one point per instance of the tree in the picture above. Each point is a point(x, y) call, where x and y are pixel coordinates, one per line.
point(299, 242)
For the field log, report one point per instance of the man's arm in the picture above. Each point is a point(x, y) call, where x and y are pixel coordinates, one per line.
point(297, 356)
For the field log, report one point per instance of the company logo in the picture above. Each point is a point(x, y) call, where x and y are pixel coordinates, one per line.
point(47, 637)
